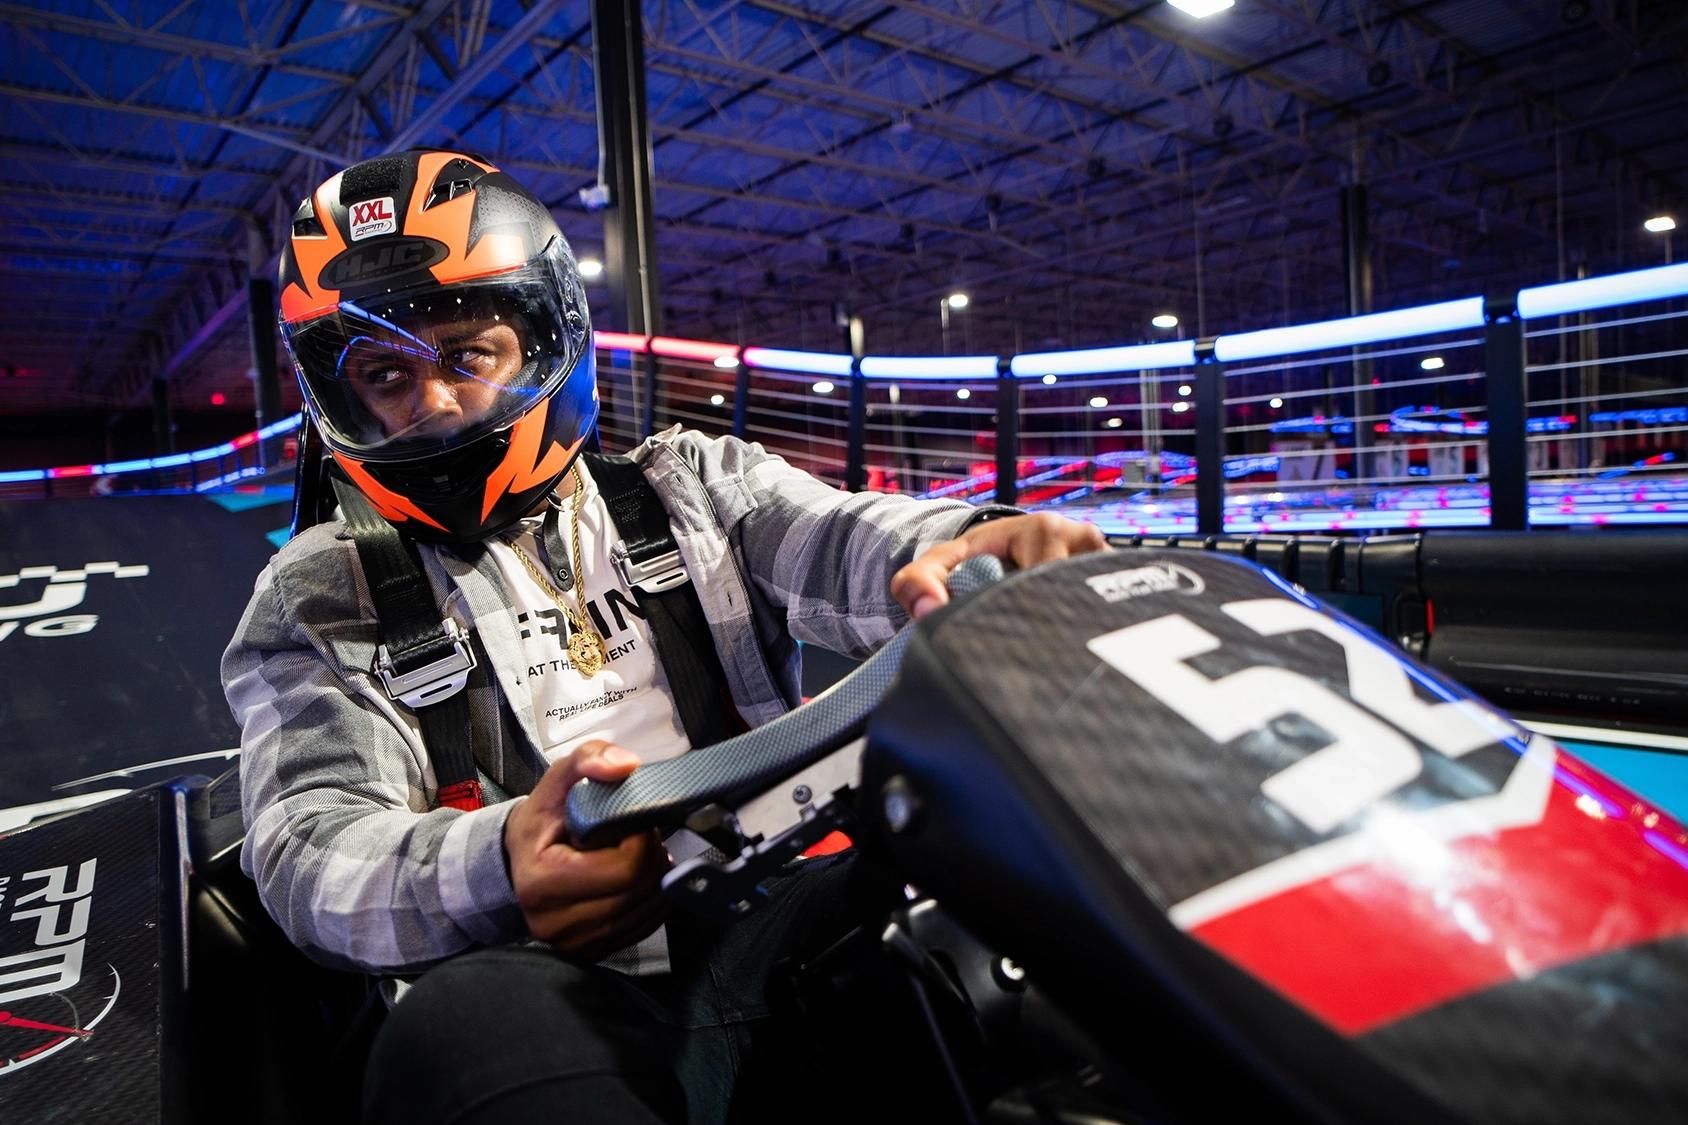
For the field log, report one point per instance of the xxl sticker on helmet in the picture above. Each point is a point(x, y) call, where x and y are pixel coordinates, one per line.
point(373, 217)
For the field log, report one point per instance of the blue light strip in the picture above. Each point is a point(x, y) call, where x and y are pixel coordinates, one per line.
point(1603, 292)
point(1373, 328)
point(1102, 361)
point(929, 367)
point(810, 363)
point(174, 460)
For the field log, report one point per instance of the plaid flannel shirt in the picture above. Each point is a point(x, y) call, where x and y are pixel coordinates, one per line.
point(344, 838)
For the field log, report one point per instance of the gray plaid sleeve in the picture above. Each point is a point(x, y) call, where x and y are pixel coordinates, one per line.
point(336, 788)
point(825, 556)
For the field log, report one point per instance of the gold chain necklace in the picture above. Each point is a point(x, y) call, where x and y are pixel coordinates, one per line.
point(586, 647)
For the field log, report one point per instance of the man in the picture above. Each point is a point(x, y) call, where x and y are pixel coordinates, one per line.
point(441, 337)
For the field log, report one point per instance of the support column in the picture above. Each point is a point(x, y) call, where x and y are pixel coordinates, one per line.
point(1007, 435)
point(1210, 441)
point(741, 396)
point(1509, 475)
point(855, 448)
point(260, 322)
point(1357, 280)
point(624, 169)
point(163, 428)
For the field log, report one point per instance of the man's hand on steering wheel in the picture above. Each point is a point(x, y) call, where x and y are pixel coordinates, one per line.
point(586, 903)
point(1022, 540)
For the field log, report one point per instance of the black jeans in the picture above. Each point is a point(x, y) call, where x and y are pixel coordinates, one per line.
point(519, 1035)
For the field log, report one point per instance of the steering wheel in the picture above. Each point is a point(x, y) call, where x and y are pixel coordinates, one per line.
point(767, 795)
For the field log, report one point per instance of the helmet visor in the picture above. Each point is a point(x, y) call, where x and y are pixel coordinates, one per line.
point(421, 371)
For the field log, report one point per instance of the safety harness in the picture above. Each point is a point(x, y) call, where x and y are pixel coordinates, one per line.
point(424, 657)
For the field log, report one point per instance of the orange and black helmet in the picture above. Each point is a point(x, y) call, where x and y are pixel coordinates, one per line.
point(438, 325)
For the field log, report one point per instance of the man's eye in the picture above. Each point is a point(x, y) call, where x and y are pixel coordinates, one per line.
point(383, 376)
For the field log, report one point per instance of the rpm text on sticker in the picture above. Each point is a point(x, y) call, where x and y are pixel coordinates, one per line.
point(1157, 578)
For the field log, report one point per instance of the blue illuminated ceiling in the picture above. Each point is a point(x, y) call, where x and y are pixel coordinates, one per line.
point(1068, 164)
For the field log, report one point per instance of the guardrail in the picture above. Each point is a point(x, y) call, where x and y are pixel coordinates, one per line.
point(1505, 411)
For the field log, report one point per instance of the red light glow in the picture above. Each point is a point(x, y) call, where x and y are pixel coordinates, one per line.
point(691, 349)
point(218, 399)
point(619, 341)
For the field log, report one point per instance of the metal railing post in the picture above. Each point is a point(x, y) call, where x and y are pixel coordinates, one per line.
point(741, 395)
point(647, 396)
point(1210, 441)
point(1509, 475)
point(1007, 434)
point(855, 456)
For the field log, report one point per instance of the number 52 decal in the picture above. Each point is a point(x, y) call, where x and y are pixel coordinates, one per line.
point(1368, 756)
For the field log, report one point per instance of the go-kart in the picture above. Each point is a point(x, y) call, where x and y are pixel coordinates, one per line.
point(1160, 838)
point(1240, 855)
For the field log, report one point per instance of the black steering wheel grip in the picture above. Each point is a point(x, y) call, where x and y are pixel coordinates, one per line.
point(664, 794)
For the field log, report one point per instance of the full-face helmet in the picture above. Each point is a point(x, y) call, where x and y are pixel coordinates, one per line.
point(440, 332)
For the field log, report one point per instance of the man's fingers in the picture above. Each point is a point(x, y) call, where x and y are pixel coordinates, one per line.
point(596, 928)
point(562, 873)
point(1025, 540)
point(548, 803)
point(919, 587)
point(1045, 538)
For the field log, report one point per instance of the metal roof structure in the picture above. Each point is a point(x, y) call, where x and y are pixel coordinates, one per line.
point(1074, 167)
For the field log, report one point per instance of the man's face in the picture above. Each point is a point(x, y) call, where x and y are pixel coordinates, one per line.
point(439, 380)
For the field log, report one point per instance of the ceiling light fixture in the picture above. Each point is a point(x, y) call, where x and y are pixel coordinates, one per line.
point(1658, 224)
point(964, 394)
point(1098, 402)
point(1165, 320)
point(1276, 404)
point(822, 388)
point(1431, 363)
point(958, 300)
point(591, 268)
point(1201, 9)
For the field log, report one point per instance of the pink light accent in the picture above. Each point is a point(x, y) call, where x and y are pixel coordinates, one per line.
point(691, 349)
point(619, 341)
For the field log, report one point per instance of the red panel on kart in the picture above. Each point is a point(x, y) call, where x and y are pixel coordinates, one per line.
point(1353, 830)
point(1601, 870)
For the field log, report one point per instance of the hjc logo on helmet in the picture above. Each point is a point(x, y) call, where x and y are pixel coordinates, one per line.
point(372, 263)
point(372, 218)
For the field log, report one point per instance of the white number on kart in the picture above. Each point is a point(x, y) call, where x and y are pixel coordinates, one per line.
point(1366, 759)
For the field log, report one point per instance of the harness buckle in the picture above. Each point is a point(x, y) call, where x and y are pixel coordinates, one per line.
point(655, 576)
point(432, 682)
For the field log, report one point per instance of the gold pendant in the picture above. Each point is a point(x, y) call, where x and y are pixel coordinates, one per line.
point(586, 651)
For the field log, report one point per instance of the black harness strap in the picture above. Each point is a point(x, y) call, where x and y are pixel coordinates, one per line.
point(679, 629)
point(421, 655)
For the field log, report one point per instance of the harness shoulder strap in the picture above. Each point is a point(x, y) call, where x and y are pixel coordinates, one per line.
point(424, 658)
point(665, 592)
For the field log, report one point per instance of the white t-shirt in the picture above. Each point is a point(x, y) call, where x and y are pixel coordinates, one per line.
point(628, 701)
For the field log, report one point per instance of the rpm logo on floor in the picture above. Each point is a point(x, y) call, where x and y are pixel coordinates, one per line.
point(63, 589)
point(46, 1004)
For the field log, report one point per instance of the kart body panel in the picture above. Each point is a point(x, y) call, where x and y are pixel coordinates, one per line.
point(1259, 853)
